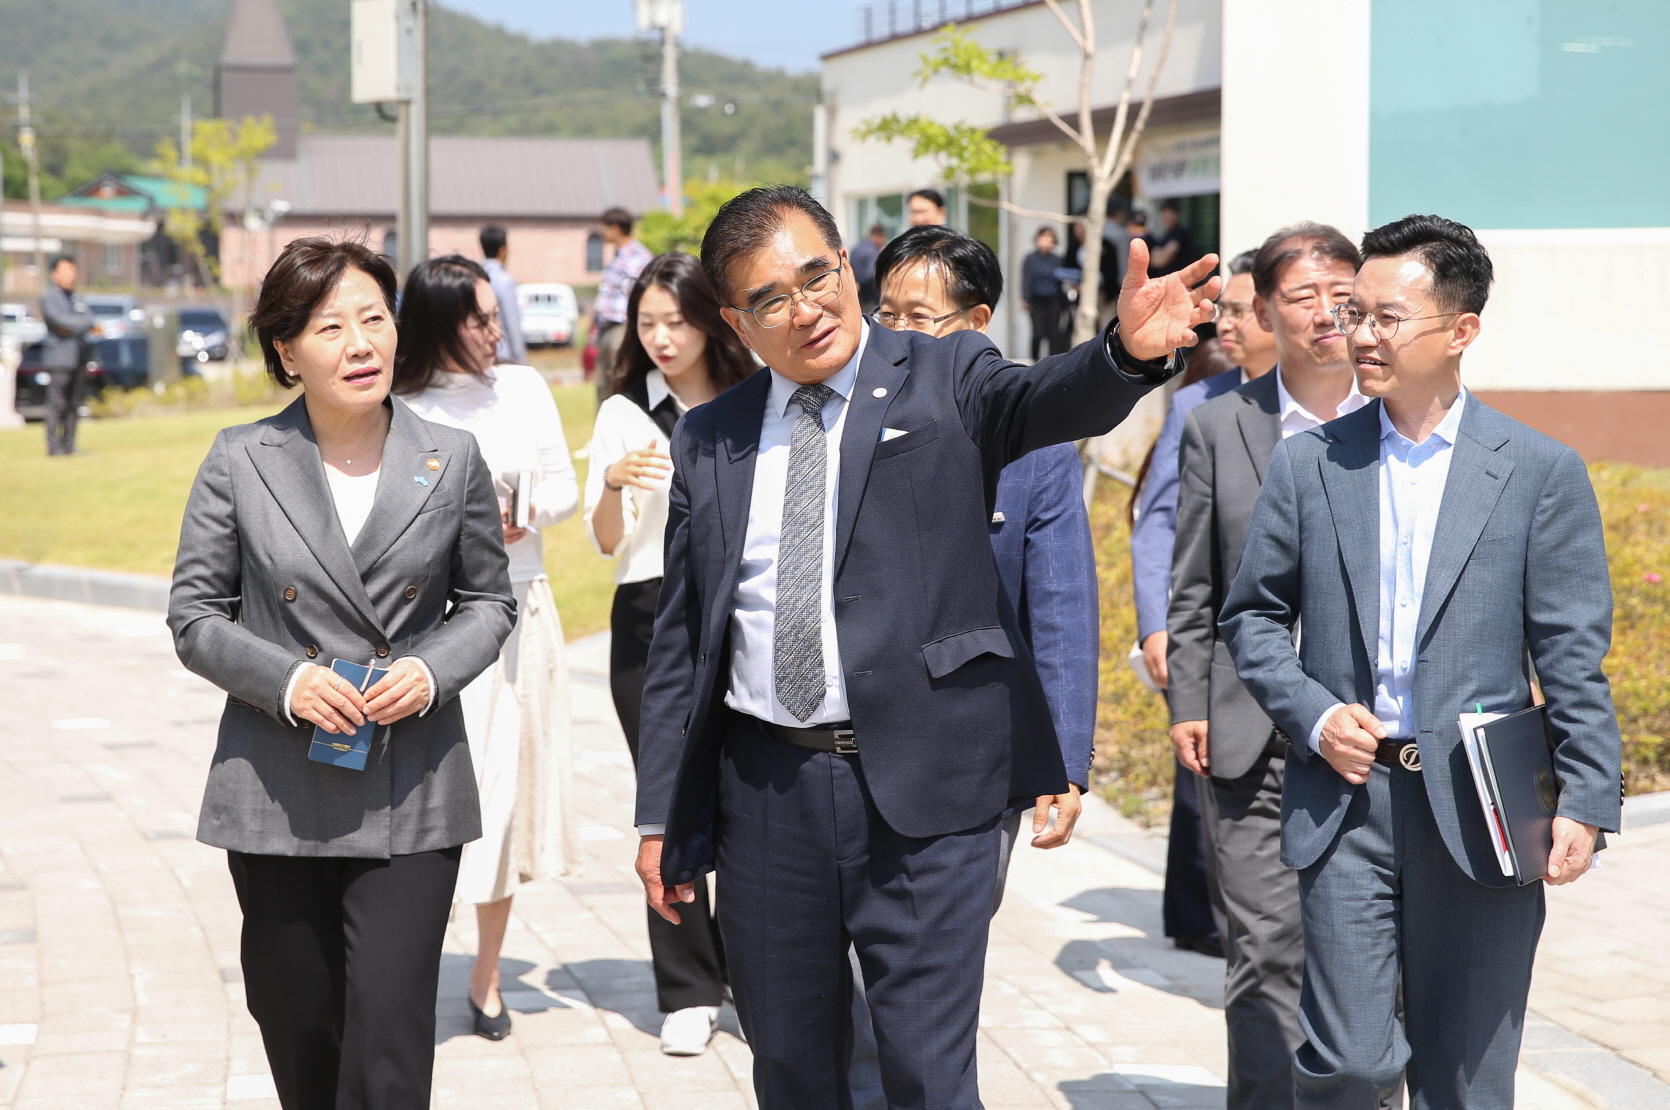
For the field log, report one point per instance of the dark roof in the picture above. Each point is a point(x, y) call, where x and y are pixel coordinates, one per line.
point(256, 36)
point(1168, 111)
point(486, 176)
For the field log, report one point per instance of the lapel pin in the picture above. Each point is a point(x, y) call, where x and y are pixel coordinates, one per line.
point(434, 464)
point(420, 479)
point(879, 391)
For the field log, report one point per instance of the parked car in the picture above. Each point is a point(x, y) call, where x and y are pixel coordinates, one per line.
point(32, 380)
point(123, 345)
point(204, 334)
point(22, 324)
point(118, 315)
point(549, 313)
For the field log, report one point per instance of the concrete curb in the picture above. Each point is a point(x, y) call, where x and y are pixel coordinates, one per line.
point(1646, 809)
point(1588, 1070)
point(93, 587)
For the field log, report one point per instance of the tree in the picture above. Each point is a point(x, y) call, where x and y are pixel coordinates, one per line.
point(969, 154)
point(661, 231)
point(223, 164)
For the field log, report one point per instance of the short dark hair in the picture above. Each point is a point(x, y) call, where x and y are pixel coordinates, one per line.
point(1242, 263)
point(969, 268)
point(932, 196)
point(303, 275)
point(1461, 268)
point(1306, 239)
point(1169, 206)
point(440, 298)
point(877, 229)
point(1138, 218)
point(747, 221)
point(617, 217)
point(728, 360)
point(493, 239)
point(1046, 229)
point(59, 259)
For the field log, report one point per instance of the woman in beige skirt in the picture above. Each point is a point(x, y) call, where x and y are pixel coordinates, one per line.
point(517, 713)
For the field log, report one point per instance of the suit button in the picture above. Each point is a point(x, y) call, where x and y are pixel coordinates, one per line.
point(704, 657)
point(382, 651)
point(289, 593)
point(411, 592)
point(312, 651)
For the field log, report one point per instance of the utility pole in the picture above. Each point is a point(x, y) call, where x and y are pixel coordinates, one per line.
point(185, 130)
point(389, 63)
point(667, 16)
point(26, 140)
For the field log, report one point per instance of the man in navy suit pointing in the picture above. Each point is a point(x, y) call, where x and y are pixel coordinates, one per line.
point(838, 706)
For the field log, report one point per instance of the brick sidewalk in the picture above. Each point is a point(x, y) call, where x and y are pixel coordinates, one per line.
point(119, 982)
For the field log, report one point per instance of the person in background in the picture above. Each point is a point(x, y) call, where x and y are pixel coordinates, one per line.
point(69, 325)
point(925, 207)
point(495, 248)
point(678, 353)
point(516, 712)
point(1218, 729)
point(1116, 247)
point(1174, 247)
point(344, 528)
point(863, 257)
point(1136, 227)
point(609, 310)
point(1044, 299)
point(1436, 557)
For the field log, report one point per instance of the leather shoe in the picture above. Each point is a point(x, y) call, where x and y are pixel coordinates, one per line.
point(1207, 946)
point(495, 1028)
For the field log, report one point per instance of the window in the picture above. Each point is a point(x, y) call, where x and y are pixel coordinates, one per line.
point(112, 258)
point(391, 245)
point(594, 253)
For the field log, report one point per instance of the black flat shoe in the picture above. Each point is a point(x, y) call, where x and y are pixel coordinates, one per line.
point(1207, 946)
point(493, 1028)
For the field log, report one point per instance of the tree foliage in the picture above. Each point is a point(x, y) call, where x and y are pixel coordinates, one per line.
point(223, 165)
point(661, 231)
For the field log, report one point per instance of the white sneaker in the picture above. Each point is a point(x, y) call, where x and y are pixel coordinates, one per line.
point(686, 1032)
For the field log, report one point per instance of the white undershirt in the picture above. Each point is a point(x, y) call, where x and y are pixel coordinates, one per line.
point(354, 495)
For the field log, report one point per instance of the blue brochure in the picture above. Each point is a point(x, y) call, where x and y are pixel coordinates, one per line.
point(348, 749)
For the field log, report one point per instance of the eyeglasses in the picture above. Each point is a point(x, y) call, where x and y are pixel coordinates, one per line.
point(916, 321)
point(817, 292)
point(1383, 325)
point(1234, 312)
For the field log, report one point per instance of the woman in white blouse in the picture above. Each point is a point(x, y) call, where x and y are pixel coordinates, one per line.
point(677, 352)
point(517, 712)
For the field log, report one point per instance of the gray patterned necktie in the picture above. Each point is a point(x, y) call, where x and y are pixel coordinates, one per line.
point(797, 635)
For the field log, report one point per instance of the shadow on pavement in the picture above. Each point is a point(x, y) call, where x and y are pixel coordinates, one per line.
point(1179, 1087)
point(1143, 956)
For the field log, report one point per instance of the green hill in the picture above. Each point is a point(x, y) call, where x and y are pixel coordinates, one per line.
point(106, 77)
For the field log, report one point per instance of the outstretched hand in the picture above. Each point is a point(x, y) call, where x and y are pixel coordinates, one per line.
point(1159, 314)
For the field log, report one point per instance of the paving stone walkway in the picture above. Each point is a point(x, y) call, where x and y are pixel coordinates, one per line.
point(120, 988)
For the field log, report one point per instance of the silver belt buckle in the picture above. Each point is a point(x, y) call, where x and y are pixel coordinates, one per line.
point(846, 742)
point(1410, 756)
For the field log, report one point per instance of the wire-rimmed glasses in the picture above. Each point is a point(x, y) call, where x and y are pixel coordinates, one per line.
point(817, 292)
point(1348, 318)
point(917, 321)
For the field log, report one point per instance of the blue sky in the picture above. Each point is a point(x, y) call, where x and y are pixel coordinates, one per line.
point(785, 33)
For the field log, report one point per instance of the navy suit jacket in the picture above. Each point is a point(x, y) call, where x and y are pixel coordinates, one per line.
point(1155, 532)
point(1047, 566)
point(951, 719)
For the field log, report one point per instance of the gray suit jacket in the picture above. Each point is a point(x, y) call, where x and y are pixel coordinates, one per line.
point(1518, 565)
point(265, 581)
point(1226, 444)
point(67, 323)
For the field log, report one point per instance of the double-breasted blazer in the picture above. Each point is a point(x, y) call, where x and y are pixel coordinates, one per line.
point(266, 582)
point(1517, 574)
point(950, 717)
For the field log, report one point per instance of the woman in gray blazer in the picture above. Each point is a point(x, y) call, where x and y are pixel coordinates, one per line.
point(343, 528)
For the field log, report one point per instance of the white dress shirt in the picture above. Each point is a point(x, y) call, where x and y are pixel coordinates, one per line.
point(622, 426)
point(1412, 479)
point(753, 616)
point(1295, 418)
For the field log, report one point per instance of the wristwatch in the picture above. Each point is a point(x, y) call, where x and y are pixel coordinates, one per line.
point(1152, 371)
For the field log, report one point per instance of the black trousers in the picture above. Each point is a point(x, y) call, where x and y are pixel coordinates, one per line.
point(341, 958)
point(807, 867)
point(63, 400)
point(689, 958)
point(1047, 319)
point(1189, 900)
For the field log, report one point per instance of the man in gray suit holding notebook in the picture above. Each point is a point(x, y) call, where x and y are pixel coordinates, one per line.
point(1431, 546)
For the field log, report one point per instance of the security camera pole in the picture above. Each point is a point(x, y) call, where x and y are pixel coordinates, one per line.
point(390, 64)
point(667, 16)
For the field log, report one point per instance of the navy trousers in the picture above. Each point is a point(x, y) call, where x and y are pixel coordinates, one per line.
point(1190, 906)
point(806, 866)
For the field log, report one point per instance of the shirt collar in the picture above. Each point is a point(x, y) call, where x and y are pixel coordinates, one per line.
point(1446, 430)
point(842, 381)
point(1289, 407)
point(655, 385)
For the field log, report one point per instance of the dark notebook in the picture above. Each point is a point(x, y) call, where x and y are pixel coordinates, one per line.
point(1518, 756)
point(348, 749)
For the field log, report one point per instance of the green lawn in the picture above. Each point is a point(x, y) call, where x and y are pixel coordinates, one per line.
point(118, 506)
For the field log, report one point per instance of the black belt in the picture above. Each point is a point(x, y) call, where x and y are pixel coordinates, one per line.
point(837, 738)
point(1399, 753)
